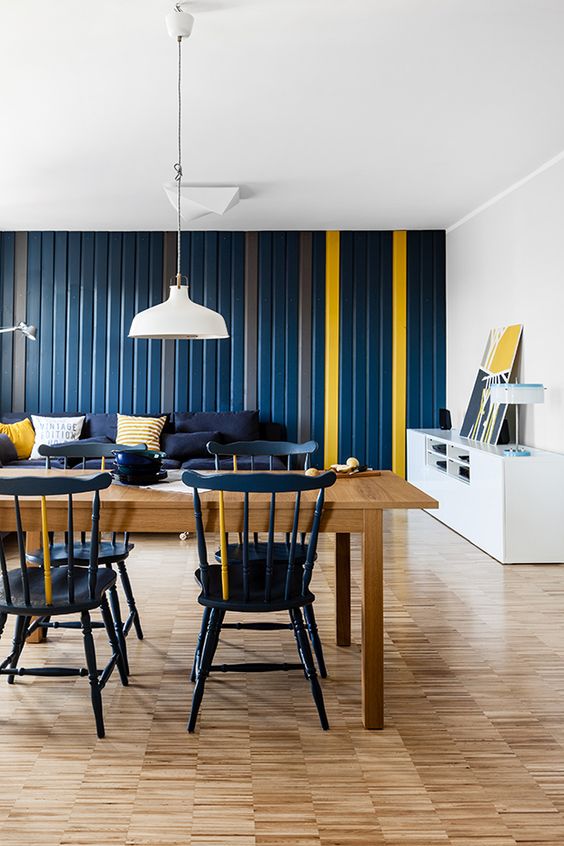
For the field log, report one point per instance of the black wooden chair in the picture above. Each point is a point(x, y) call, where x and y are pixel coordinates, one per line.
point(252, 586)
point(114, 551)
point(298, 456)
point(295, 454)
point(28, 592)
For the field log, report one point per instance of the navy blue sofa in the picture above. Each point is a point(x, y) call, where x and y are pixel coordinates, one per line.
point(184, 437)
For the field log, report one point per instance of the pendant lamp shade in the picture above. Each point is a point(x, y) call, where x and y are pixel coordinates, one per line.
point(178, 318)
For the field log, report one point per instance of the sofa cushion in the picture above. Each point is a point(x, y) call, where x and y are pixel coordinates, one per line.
point(54, 430)
point(133, 430)
point(8, 451)
point(272, 432)
point(21, 434)
point(100, 426)
point(233, 425)
point(96, 425)
point(243, 463)
point(184, 445)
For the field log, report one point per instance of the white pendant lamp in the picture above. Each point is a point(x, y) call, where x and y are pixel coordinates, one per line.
point(179, 317)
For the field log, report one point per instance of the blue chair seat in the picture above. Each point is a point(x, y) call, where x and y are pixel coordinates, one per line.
point(108, 553)
point(83, 599)
point(257, 552)
point(256, 601)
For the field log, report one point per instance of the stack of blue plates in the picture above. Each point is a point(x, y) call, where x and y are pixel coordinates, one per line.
point(139, 468)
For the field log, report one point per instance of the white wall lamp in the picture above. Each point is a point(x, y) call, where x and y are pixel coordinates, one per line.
point(513, 393)
point(179, 317)
point(27, 330)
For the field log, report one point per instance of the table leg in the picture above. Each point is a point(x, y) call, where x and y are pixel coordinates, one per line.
point(372, 622)
point(343, 588)
point(33, 541)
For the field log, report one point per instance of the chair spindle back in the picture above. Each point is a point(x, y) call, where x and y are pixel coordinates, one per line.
point(26, 487)
point(83, 452)
point(260, 483)
point(265, 449)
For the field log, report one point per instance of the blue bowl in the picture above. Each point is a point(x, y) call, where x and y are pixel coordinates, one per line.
point(147, 461)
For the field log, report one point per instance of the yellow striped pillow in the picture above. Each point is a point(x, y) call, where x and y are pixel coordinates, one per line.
point(140, 430)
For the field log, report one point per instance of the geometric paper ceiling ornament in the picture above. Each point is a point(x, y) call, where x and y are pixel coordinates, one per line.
point(199, 200)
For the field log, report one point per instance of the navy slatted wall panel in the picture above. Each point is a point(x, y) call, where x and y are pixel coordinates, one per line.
point(33, 350)
point(82, 289)
point(60, 322)
point(237, 323)
point(141, 347)
point(426, 335)
point(113, 327)
point(154, 355)
point(365, 384)
point(318, 344)
point(265, 274)
point(101, 317)
point(291, 303)
point(46, 320)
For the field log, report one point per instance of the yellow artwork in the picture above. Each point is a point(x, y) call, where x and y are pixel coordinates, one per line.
point(483, 419)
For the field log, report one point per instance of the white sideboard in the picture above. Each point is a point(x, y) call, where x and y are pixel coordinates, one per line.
point(512, 508)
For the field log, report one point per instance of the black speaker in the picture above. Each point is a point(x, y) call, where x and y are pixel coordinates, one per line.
point(504, 437)
point(444, 419)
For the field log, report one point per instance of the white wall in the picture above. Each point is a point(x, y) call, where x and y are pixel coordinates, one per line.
point(506, 265)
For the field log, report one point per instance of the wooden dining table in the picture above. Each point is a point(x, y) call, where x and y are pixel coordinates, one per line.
point(352, 505)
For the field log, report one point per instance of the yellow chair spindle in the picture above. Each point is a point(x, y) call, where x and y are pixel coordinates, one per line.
point(223, 548)
point(235, 468)
point(46, 554)
point(103, 464)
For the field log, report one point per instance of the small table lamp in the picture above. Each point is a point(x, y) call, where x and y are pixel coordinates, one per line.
point(516, 394)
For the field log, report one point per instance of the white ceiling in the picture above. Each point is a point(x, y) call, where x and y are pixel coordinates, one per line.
point(363, 114)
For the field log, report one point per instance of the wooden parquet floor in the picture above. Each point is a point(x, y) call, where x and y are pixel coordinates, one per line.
point(472, 753)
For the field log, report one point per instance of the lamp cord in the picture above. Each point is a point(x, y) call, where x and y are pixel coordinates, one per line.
point(178, 165)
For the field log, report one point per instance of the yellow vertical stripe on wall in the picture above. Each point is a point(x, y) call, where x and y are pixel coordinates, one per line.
point(332, 275)
point(399, 351)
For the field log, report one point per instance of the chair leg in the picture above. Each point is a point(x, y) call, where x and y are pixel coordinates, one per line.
point(111, 629)
point(201, 636)
point(3, 618)
point(306, 658)
point(208, 651)
point(113, 599)
point(124, 575)
point(90, 654)
point(17, 644)
point(315, 639)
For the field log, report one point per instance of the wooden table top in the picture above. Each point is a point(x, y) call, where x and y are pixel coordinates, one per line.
point(363, 493)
